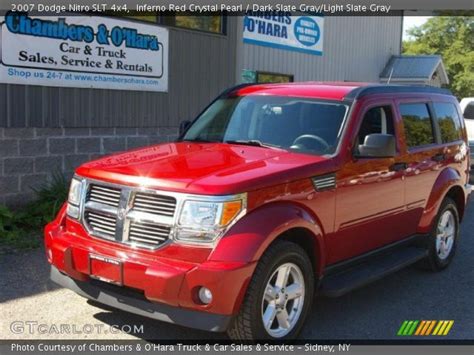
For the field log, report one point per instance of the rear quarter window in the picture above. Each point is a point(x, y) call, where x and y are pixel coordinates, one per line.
point(418, 124)
point(449, 122)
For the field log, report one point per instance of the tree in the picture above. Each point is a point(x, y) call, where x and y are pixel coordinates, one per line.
point(452, 37)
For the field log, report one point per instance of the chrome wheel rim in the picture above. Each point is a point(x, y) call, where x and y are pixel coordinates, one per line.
point(283, 300)
point(445, 234)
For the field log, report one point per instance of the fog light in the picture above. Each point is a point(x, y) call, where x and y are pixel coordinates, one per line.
point(72, 211)
point(205, 295)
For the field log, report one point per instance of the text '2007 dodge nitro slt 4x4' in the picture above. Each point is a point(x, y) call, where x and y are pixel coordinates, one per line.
point(274, 192)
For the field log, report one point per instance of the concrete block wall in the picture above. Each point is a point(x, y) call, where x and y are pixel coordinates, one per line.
point(30, 156)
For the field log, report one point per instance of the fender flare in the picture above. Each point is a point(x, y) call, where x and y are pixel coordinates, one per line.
point(447, 179)
point(248, 239)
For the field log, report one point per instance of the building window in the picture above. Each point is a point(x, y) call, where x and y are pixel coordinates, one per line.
point(263, 77)
point(205, 23)
point(448, 121)
point(418, 125)
point(144, 18)
point(134, 15)
point(213, 24)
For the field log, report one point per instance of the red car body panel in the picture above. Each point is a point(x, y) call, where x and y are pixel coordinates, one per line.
point(370, 207)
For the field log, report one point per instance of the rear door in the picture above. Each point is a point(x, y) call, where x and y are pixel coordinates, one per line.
point(452, 136)
point(423, 155)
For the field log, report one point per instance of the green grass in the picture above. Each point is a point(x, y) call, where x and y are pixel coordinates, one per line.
point(22, 229)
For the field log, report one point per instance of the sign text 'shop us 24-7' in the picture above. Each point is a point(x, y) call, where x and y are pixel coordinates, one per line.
point(284, 31)
point(83, 51)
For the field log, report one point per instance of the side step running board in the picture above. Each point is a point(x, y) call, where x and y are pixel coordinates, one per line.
point(337, 284)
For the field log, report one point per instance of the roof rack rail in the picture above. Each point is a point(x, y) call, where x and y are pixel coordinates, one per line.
point(234, 88)
point(389, 89)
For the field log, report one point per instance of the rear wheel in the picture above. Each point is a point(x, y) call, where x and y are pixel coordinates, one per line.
point(279, 295)
point(443, 238)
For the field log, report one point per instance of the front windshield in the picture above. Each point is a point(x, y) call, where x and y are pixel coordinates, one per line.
point(292, 123)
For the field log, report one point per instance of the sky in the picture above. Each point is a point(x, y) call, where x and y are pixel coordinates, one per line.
point(412, 21)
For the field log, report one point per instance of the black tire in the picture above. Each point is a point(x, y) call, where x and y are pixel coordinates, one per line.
point(248, 324)
point(433, 262)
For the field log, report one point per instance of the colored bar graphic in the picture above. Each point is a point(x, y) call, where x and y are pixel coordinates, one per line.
point(420, 327)
point(408, 327)
point(425, 327)
point(402, 328)
point(413, 327)
point(430, 328)
point(448, 328)
point(438, 327)
point(443, 327)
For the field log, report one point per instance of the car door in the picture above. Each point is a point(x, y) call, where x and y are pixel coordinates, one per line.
point(422, 154)
point(370, 192)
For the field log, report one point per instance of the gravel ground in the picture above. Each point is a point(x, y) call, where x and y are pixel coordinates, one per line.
point(373, 312)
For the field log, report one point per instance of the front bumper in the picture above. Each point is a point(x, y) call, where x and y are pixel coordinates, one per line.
point(119, 298)
point(163, 283)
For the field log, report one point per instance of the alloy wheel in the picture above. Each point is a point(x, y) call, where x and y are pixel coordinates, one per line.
point(283, 300)
point(445, 234)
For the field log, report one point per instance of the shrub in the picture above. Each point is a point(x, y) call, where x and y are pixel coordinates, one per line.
point(22, 229)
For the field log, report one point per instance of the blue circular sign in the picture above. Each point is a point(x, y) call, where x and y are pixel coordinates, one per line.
point(307, 31)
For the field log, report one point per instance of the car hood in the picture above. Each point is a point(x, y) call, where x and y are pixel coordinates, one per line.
point(202, 168)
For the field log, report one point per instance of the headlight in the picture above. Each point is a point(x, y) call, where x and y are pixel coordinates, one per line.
point(204, 221)
point(74, 198)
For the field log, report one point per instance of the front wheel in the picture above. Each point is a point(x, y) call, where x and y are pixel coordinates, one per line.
point(279, 295)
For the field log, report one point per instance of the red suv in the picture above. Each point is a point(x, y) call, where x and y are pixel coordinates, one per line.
point(274, 192)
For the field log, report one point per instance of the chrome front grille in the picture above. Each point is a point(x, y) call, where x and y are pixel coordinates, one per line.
point(128, 215)
point(101, 223)
point(103, 194)
point(155, 204)
point(148, 234)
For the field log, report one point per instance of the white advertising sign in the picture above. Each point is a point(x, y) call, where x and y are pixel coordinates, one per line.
point(83, 51)
point(283, 31)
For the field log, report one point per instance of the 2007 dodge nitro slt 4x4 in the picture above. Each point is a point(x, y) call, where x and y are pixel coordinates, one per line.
point(274, 192)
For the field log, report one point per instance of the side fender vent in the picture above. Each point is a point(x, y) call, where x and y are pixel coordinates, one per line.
point(324, 182)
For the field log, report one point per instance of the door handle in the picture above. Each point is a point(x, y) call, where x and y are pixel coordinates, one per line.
point(399, 167)
point(438, 157)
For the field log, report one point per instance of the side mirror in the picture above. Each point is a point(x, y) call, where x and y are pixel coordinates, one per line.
point(378, 146)
point(183, 127)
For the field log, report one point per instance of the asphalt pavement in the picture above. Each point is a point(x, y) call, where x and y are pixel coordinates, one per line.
point(32, 307)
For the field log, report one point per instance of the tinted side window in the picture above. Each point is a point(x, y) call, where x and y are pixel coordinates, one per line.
point(376, 120)
point(418, 125)
point(448, 121)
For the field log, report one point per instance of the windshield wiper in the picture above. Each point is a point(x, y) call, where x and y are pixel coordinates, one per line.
point(253, 142)
point(198, 140)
